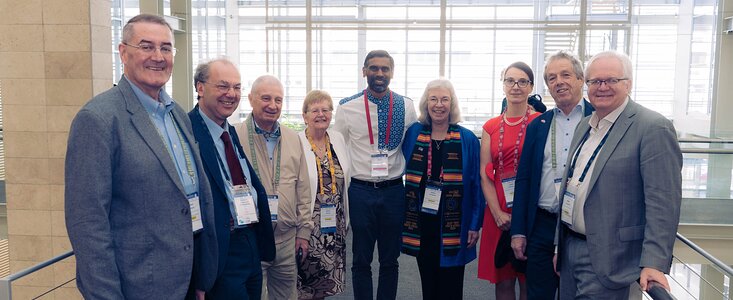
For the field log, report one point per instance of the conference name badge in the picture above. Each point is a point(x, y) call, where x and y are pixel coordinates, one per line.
point(568, 204)
point(379, 164)
point(328, 218)
point(242, 206)
point(272, 203)
point(431, 199)
point(508, 185)
point(194, 206)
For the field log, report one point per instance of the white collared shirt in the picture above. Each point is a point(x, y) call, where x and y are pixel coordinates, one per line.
point(598, 129)
point(564, 129)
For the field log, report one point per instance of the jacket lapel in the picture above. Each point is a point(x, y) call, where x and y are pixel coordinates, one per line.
point(148, 132)
point(208, 150)
point(622, 124)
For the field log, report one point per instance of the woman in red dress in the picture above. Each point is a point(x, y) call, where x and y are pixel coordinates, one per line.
point(501, 147)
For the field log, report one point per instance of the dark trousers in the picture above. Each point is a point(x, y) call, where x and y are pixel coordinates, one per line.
point(242, 275)
point(438, 283)
point(376, 217)
point(542, 281)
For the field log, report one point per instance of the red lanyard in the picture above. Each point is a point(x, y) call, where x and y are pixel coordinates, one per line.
point(369, 119)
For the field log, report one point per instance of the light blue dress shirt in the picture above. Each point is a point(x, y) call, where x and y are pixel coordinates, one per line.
point(168, 130)
point(215, 131)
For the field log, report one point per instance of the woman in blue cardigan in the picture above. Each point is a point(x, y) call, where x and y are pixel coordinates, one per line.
point(443, 199)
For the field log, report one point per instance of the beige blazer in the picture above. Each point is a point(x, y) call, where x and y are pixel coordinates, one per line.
point(293, 189)
point(339, 146)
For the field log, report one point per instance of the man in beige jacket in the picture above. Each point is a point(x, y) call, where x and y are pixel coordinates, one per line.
point(277, 157)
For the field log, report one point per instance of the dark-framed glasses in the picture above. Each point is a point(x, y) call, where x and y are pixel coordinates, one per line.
point(150, 48)
point(608, 82)
point(509, 82)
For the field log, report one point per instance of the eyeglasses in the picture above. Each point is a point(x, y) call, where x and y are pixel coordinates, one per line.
point(150, 48)
point(325, 111)
point(609, 82)
point(521, 82)
point(224, 87)
point(444, 100)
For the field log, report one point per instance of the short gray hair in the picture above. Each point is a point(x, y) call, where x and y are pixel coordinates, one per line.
point(264, 79)
point(455, 112)
point(572, 58)
point(128, 31)
point(621, 57)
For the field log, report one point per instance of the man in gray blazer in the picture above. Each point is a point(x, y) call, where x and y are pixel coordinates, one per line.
point(622, 191)
point(138, 206)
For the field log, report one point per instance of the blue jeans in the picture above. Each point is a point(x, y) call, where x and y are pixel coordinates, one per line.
point(376, 216)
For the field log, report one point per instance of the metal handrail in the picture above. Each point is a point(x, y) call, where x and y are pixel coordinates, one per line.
point(722, 266)
point(707, 150)
point(5, 292)
point(704, 140)
point(658, 292)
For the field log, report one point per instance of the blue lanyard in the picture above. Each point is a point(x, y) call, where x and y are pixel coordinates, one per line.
point(592, 157)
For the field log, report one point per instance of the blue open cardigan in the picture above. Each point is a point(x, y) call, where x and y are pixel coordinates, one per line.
point(472, 213)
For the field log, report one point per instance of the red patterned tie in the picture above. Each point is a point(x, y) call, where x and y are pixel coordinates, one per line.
point(232, 160)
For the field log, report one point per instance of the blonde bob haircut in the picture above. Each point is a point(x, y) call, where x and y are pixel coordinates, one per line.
point(316, 96)
point(455, 113)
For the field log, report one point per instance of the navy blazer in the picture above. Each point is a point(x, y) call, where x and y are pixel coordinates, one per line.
point(222, 215)
point(529, 173)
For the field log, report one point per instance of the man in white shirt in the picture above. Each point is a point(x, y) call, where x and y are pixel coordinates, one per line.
point(540, 172)
point(622, 191)
point(373, 123)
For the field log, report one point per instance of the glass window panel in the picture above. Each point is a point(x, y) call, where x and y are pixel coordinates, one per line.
point(654, 70)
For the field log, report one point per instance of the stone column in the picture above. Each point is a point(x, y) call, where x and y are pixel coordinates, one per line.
point(54, 56)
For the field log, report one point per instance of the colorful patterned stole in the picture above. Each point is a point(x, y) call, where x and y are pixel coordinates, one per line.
point(451, 197)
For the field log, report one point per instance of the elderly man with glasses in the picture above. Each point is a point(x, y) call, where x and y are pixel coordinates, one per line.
point(138, 206)
point(621, 191)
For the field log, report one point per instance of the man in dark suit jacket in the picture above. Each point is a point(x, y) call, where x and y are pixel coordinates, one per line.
point(240, 202)
point(622, 191)
point(138, 208)
point(534, 215)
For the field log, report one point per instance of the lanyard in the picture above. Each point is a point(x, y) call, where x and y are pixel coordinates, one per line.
point(554, 143)
point(186, 155)
point(369, 119)
point(592, 157)
point(430, 163)
point(331, 164)
point(516, 143)
point(250, 137)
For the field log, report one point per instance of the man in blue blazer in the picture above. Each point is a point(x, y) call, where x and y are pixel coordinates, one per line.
point(536, 203)
point(621, 193)
point(240, 202)
point(138, 208)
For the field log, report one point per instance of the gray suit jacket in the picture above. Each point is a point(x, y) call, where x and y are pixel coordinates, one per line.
point(633, 204)
point(127, 214)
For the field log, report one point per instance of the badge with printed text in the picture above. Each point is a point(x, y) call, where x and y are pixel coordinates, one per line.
point(431, 199)
point(197, 223)
point(242, 206)
point(272, 203)
point(379, 164)
point(508, 186)
point(328, 218)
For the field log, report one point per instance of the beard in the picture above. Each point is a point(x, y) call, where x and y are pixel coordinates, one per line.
point(378, 87)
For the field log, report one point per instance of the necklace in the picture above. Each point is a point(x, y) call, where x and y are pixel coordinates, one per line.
point(438, 143)
point(514, 151)
point(513, 123)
